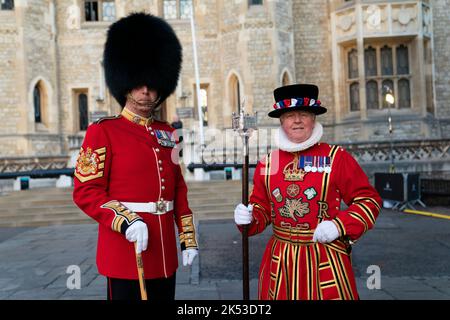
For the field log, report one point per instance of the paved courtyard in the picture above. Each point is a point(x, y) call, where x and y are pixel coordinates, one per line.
point(412, 253)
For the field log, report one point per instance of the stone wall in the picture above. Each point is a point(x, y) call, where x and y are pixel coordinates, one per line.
point(49, 41)
point(9, 96)
point(28, 58)
point(441, 38)
point(313, 50)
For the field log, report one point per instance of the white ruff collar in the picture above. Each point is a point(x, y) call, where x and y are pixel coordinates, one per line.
point(286, 145)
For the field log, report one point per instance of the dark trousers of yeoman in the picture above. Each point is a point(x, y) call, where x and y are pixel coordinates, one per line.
point(157, 289)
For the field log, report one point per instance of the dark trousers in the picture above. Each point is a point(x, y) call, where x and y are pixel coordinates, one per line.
point(157, 289)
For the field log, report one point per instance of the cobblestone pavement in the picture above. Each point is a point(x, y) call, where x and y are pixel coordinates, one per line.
point(412, 252)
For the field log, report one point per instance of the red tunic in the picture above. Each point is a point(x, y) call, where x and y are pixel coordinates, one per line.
point(122, 161)
point(294, 202)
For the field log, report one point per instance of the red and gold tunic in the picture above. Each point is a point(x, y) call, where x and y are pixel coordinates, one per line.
point(294, 202)
point(130, 159)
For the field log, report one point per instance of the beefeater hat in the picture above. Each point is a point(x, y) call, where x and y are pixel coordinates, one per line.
point(302, 97)
point(141, 50)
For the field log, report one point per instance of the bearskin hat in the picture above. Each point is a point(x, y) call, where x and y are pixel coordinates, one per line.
point(141, 49)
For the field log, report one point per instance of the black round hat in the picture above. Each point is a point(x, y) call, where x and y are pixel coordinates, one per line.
point(141, 50)
point(302, 97)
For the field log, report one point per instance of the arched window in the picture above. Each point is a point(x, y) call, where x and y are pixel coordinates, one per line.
point(387, 67)
point(372, 94)
point(354, 97)
point(235, 94)
point(353, 64)
point(285, 80)
point(204, 104)
point(402, 60)
point(37, 102)
point(83, 111)
point(370, 61)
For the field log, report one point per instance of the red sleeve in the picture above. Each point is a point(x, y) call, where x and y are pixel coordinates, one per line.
point(363, 201)
point(183, 214)
point(91, 183)
point(260, 201)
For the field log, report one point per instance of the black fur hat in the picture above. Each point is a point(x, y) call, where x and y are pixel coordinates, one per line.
point(141, 49)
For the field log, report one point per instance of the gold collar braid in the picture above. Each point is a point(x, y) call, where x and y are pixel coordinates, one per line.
point(136, 118)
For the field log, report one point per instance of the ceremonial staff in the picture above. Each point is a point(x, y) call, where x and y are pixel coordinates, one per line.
point(140, 268)
point(244, 124)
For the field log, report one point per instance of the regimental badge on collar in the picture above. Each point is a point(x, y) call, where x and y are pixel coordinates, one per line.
point(165, 138)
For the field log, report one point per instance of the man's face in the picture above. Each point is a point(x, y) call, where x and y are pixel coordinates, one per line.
point(298, 125)
point(145, 98)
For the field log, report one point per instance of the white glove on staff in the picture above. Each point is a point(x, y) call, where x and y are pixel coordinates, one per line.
point(138, 233)
point(326, 232)
point(243, 215)
point(189, 256)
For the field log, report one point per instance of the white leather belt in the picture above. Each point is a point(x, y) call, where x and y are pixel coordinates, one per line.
point(158, 208)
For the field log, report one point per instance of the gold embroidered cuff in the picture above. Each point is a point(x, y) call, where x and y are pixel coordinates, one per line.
point(123, 216)
point(187, 235)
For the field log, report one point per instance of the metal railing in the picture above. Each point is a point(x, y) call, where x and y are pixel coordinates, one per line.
point(36, 174)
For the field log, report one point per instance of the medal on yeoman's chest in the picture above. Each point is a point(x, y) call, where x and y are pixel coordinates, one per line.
point(293, 171)
point(165, 138)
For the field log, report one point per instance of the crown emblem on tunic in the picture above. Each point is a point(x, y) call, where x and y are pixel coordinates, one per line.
point(292, 172)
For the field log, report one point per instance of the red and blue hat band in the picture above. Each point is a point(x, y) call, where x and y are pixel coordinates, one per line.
point(297, 102)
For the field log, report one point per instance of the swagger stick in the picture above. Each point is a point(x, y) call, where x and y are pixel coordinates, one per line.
point(244, 125)
point(140, 268)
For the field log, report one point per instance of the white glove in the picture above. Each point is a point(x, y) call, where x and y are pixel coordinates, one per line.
point(189, 255)
point(326, 232)
point(243, 214)
point(138, 233)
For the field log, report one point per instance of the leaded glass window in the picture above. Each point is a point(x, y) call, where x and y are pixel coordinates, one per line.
point(354, 97)
point(386, 61)
point(170, 9)
point(353, 64)
point(109, 11)
point(177, 9)
point(372, 94)
point(404, 94)
point(402, 60)
point(185, 9)
point(101, 10)
point(370, 61)
point(388, 85)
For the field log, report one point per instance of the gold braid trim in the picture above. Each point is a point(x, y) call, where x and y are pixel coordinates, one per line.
point(187, 235)
point(123, 216)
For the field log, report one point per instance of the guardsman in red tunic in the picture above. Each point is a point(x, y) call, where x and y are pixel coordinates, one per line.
point(127, 176)
point(298, 189)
